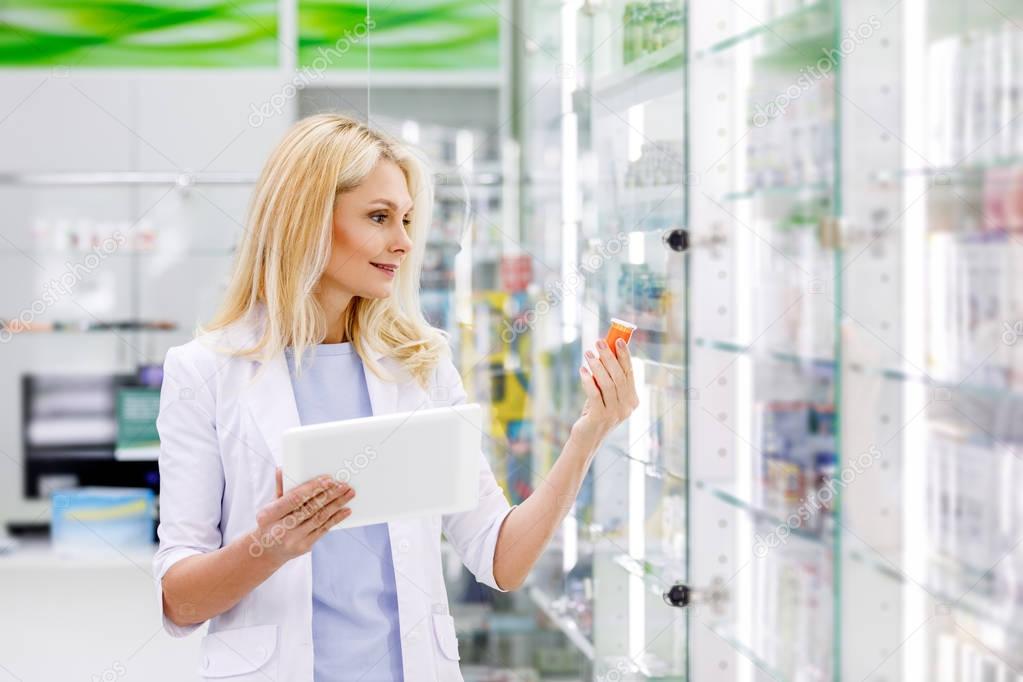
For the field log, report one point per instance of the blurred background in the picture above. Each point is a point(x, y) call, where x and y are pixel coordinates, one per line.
point(811, 209)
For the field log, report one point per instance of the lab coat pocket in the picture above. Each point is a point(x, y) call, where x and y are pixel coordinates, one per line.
point(237, 652)
point(447, 641)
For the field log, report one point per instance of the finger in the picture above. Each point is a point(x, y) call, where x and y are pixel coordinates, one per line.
point(323, 508)
point(321, 500)
point(279, 475)
point(295, 498)
point(611, 364)
point(589, 387)
point(337, 518)
point(324, 514)
point(624, 356)
point(604, 382)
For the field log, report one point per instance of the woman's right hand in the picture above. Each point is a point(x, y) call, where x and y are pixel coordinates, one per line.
point(290, 525)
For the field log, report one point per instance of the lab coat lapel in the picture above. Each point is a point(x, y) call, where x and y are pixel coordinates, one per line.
point(271, 401)
point(383, 395)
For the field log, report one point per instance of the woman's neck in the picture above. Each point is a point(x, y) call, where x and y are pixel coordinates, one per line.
point(334, 304)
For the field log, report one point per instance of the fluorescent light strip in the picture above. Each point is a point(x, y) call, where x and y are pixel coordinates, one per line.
point(742, 276)
point(639, 452)
point(914, 240)
point(569, 178)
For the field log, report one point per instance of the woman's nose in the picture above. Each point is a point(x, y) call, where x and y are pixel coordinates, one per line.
point(404, 242)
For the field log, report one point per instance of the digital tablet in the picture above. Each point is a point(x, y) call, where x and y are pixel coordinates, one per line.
point(402, 465)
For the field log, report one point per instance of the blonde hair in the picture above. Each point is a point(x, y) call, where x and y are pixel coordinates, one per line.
point(288, 243)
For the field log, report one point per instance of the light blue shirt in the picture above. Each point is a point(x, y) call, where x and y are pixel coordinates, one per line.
point(355, 601)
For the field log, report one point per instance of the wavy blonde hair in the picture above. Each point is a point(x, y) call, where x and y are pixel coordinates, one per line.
point(288, 243)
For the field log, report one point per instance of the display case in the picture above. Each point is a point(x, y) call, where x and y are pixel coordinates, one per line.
point(763, 351)
point(604, 207)
point(932, 304)
point(809, 209)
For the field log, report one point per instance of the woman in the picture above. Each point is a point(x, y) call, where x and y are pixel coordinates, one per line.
point(324, 289)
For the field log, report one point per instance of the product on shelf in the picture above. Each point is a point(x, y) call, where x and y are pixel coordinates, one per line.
point(959, 657)
point(86, 234)
point(798, 463)
point(577, 601)
point(516, 272)
point(90, 519)
point(649, 26)
point(791, 139)
point(975, 305)
point(975, 95)
point(660, 164)
point(775, 9)
point(973, 520)
point(793, 616)
point(794, 275)
point(15, 326)
point(642, 290)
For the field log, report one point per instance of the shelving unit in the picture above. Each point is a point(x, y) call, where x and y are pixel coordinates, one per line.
point(831, 371)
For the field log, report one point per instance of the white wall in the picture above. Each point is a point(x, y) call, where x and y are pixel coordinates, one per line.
point(61, 121)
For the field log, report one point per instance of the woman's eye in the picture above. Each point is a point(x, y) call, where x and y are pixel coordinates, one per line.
point(382, 216)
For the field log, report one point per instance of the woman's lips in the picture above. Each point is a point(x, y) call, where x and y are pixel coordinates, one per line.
point(389, 270)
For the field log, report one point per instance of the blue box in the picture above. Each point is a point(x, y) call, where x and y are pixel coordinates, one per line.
point(95, 518)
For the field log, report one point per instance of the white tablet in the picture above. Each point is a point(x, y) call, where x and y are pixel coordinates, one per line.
point(403, 465)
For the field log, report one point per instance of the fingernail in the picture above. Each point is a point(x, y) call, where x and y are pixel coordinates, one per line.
point(590, 354)
point(620, 343)
point(601, 343)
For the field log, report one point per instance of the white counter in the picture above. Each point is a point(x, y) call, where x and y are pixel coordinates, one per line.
point(91, 617)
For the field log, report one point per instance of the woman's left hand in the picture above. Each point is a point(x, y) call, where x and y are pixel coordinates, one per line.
point(613, 397)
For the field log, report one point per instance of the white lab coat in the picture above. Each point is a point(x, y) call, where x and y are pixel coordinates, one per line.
point(220, 441)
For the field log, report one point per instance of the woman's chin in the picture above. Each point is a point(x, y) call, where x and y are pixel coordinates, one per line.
point(384, 292)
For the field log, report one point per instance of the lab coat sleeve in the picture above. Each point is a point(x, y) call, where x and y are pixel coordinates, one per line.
point(474, 533)
point(191, 472)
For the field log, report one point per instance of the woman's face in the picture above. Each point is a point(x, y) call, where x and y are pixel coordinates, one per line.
point(371, 239)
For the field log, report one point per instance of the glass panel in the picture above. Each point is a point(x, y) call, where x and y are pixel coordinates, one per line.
point(762, 370)
point(630, 110)
point(932, 310)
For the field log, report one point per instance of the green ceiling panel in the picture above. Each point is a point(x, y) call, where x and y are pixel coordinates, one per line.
point(400, 34)
point(164, 33)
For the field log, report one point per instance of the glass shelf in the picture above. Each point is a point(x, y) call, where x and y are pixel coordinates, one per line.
point(811, 21)
point(654, 573)
point(949, 386)
point(155, 252)
point(726, 635)
point(753, 193)
point(948, 174)
point(961, 19)
point(182, 180)
point(889, 373)
point(652, 468)
point(994, 610)
point(647, 77)
point(728, 495)
point(652, 200)
point(628, 670)
point(108, 328)
point(555, 611)
point(824, 364)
